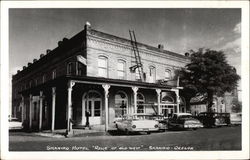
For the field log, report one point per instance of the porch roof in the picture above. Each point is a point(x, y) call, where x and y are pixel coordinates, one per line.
point(118, 82)
point(99, 81)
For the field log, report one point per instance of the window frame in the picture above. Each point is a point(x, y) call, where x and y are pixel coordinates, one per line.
point(54, 74)
point(167, 70)
point(123, 71)
point(101, 57)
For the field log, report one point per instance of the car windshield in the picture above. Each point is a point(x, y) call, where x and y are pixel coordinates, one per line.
point(185, 116)
point(141, 117)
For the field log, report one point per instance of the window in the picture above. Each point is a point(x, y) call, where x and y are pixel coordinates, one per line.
point(152, 74)
point(70, 68)
point(121, 69)
point(121, 101)
point(102, 66)
point(167, 74)
point(137, 75)
point(54, 74)
point(140, 102)
point(44, 78)
point(79, 69)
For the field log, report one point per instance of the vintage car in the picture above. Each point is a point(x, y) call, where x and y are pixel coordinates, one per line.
point(235, 118)
point(137, 123)
point(184, 121)
point(163, 121)
point(214, 119)
point(14, 124)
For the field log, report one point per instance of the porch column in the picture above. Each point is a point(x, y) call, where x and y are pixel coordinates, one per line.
point(40, 110)
point(53, 109)
point(135, 89)
point(158, 100)
point(106, 92)
point(30, 113)
point(22, 104)
point(69, 110)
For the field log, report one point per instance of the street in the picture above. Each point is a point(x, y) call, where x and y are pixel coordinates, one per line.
point(205, 139)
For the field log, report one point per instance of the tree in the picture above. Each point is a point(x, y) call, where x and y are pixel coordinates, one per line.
point(208, 73)
point(236, 105)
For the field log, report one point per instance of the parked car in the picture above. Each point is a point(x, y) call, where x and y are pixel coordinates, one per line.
point(214, 119)
point(236, 118)
point(137, 123)
point(163, 121)
point(14, 124)
point(184, 121)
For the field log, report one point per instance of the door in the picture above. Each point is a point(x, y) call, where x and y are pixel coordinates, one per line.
point(92, 103)
point(94, 108)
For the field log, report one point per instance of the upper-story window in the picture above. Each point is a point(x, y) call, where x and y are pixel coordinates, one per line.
point(167, 74)
point(102, 66)
point(70, 68)
point(79, 69)
point(121, 67)
point(44, 78)
point(54, 74)
point(152, 74)
point(137, 75)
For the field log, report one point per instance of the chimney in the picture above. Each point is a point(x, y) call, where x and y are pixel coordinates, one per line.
point(48, 50)
point(65, 40)
point(59, 43)
point(41, 55)
point(34, 60)
point(29, 64)
point(187, 54)
point(161, 47)
point(87, 25)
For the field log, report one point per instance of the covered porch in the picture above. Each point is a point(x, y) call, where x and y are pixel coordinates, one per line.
point(77, 101)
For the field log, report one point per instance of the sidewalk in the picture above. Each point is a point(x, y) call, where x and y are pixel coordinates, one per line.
point(77, 132)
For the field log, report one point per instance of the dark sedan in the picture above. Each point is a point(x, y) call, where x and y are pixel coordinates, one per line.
point(184, 121)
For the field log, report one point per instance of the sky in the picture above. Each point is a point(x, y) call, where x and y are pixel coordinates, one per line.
point(33, 31)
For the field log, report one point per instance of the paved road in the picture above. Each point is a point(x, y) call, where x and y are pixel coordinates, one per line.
point(224, 138)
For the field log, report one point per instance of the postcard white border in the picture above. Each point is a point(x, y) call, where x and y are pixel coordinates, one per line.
point(5, 154)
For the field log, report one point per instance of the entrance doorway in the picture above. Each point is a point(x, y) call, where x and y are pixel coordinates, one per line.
point(167, 111)
point(92, 104)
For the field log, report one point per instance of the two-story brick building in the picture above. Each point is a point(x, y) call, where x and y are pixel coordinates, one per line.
point(91, 73)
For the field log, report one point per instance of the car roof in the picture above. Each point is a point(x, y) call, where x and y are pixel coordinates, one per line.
point(138, 114)
point(183, 114)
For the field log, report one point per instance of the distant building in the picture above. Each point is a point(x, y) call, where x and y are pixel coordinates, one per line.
point(220, 104)
point(89, 76)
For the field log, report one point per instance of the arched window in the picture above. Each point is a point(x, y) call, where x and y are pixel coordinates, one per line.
point(167, 99)
point(79, 69)
point(54, 74)
point(121, 102)
point(152, 74)
point(70, 68)
point(44, 78)
point(93, 103)
point(140, 102)
point(121, 67)
point(167, 74)
point(102, 66)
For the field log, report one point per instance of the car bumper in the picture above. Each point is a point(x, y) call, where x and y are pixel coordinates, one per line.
point(193, 126)
point(144, 129)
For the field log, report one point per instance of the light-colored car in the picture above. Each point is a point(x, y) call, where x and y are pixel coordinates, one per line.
point(184, 121)
point(137, 123)
point(14, 124)
point(163, 121)
point(236, 118)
